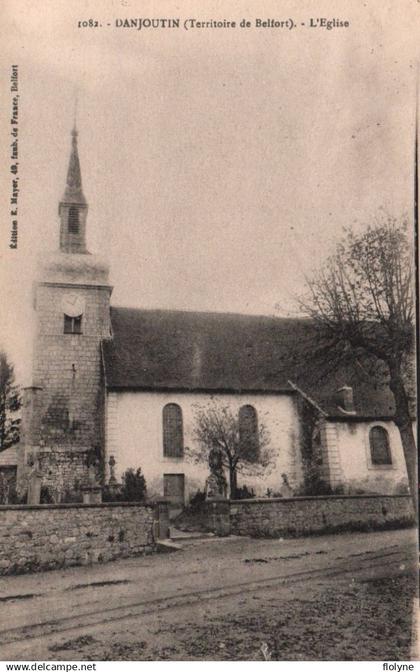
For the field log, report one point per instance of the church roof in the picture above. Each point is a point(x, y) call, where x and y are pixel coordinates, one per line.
point(74, 191)
point(221, 352)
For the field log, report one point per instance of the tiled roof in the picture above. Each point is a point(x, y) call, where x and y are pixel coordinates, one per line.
point(164, 349)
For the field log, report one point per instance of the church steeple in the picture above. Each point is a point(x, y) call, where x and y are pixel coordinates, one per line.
point(73, 206)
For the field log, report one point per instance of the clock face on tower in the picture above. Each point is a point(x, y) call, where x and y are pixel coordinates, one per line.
point(73, 305)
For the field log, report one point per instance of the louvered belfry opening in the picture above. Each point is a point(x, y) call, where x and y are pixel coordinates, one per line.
point(73, 220)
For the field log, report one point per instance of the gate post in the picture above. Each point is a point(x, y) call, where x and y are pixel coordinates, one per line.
point(161, 519)
point(218, 517)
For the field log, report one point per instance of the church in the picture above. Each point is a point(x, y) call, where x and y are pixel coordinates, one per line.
point(124, 385)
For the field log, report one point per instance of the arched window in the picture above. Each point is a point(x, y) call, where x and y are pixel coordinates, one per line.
point(248, 432)
point(173, 434)
point(380, 452)
point(73, 220)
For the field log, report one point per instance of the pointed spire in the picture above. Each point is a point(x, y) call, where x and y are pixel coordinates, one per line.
point(73, 206)
point(74, 191)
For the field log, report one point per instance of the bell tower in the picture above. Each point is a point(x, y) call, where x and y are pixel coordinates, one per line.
point(63, 412)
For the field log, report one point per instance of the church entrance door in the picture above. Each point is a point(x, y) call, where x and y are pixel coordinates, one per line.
point(174, 489)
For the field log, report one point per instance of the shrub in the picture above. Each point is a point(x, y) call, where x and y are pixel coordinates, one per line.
point(133, 488)
point(72, 497)
point(46, 496)
point(318, 487)
point(197, 500)
point(110, 495)
point(244, 493)
point(272, 493)
point(314, 486)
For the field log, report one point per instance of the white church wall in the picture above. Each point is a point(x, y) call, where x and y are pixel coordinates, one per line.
point(134, 436)
point(357, 469)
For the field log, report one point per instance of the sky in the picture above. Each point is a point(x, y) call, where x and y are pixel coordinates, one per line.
point(220, 165)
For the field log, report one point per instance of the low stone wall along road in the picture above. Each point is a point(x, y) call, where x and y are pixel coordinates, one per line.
point(36, 538)
point(299, 516)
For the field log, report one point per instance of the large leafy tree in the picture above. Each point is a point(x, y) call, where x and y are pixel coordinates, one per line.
point(10, 403)
point(217, 425)
point(362, 301)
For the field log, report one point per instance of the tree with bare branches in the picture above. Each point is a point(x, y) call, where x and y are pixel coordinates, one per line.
point(362, 302)
point(247, 453)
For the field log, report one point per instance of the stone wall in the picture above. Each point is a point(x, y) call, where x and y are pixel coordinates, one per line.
point(68, 367)
point(63, 471)
point(8, 457)
point(34, 538)
point(63, 411)
point(299, 516)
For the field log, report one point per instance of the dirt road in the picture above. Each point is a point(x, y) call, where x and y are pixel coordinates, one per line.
point(334, 597)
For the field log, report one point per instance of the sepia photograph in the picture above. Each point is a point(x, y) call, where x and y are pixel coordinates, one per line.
point(208, 268)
